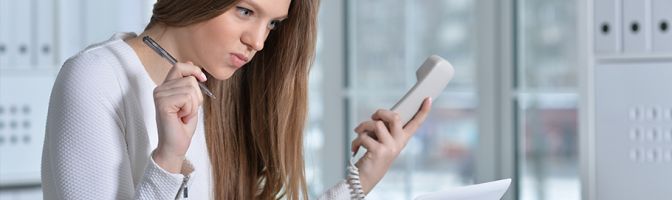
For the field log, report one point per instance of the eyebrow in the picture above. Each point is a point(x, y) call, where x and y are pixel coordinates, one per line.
point(257, 7)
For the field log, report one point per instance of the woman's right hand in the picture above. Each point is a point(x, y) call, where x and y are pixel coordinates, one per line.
point(177, 101)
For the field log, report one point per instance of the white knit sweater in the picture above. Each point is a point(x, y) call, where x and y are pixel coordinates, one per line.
point(101, 129)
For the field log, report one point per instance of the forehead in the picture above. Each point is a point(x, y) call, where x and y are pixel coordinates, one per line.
point(270, 8)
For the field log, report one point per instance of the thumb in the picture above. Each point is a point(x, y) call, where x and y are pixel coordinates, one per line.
point(181, 70)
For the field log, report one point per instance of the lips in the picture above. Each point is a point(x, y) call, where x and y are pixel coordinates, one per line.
point(238, 59)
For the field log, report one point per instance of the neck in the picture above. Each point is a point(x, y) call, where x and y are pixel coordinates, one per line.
point(156, 66)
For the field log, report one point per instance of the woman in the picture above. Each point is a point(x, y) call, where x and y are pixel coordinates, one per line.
point(123, 123)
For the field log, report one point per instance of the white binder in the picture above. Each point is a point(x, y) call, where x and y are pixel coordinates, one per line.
point(635, 26)
point(607, 25)
point(20, 22)
point(661, 21)
point(70, 26)
point(43, 46)
point(4, 35)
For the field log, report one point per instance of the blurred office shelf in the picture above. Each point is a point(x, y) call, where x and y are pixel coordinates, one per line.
point(36, 37)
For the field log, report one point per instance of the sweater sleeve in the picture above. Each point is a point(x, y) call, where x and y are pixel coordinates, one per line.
point(158, 183)
point(339, 191)
point(84, 154)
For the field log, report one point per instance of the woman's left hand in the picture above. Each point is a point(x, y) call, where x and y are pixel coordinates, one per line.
point(384, 137)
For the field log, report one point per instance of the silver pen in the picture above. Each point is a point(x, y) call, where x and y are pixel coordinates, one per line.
point(163, 53)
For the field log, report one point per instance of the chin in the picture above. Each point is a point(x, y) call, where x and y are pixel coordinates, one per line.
point(222, 74)
point(222, 70)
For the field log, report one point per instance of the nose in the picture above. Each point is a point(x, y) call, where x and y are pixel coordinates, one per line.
point(255, 36)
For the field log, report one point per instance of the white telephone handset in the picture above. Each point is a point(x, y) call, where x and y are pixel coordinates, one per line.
point(433, 76)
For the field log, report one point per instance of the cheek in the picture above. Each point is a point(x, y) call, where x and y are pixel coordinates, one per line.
point(217, 39)
point(223, 29)
point(214, 40)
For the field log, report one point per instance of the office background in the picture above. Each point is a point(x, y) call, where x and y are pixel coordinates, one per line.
point(511, 111)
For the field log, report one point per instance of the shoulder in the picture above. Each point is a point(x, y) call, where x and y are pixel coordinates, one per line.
point(98, 67)
point(88, 84)
point(96, 60)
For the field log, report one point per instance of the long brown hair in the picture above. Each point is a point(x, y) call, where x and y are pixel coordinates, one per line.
point(254, 130)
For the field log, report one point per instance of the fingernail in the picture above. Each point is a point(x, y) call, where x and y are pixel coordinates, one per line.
point(205, 78)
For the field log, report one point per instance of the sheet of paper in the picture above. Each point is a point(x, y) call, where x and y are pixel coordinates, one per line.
point(485, 191)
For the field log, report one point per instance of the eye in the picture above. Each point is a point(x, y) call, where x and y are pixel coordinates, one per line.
point(274, 24)
point(244, 11)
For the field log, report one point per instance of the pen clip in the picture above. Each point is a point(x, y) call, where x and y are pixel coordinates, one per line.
point(158, 49)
